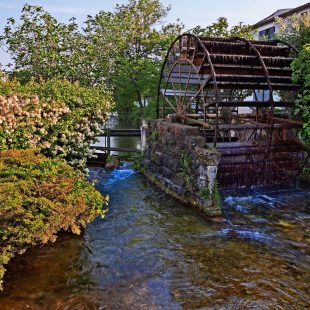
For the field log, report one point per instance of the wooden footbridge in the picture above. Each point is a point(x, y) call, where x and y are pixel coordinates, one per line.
point(108, 133)
point(103, 150)
point(241, 95)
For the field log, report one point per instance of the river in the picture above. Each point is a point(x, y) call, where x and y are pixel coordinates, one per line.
point(152, 252)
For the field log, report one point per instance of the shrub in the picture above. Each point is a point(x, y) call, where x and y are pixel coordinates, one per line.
point(58, 117)
point(301, 74)
point(294, 30)
point(39, 197)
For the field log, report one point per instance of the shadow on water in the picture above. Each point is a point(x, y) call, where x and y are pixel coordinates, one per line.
point(151, 252)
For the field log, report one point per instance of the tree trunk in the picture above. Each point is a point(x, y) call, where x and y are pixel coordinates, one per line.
point(140, 100)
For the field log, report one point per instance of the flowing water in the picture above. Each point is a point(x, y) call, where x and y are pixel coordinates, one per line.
point(152, 252)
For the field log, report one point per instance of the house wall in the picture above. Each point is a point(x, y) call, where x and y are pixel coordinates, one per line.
point(256, 32)
point(277, 28)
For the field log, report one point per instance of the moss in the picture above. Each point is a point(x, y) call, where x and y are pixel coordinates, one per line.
point(305, 174)
point(109, 159)
point(125, 157)
point(215, 196)
point(306, 171)
point(212, 149)
point(137, 159)
point(153, 136)
point(185, 170)
point(205, 193)
point(39, 197)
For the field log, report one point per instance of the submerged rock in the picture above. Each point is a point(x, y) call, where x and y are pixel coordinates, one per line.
point(113, 162)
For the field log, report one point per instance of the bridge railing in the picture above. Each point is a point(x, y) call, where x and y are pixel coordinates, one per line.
point(108, 133)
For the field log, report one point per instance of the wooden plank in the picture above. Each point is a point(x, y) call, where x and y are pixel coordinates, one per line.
point(291, 162)
point(114, 149)
point(224, 145)
point(170, 93)
point(185, 75)
point(177, 80)
point(250, 60)
point(255, 86)
point(256, 126)
point(123, 132)
point(260, 104)
point(253, 78)
point(196, 121)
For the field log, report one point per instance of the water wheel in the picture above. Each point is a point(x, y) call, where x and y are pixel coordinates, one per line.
point(239, 92)
point(182, 86)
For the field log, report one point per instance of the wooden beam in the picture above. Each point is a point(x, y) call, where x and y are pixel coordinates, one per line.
point(114, 149)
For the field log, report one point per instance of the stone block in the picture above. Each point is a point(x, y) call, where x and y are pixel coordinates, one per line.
point(163, 162)
point(157, 157)
point(193, 141)
point(206, 156)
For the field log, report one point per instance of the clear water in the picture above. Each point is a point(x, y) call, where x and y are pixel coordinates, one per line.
point(152, 252)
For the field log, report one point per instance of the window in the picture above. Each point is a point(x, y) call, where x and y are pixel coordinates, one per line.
point(267, 33)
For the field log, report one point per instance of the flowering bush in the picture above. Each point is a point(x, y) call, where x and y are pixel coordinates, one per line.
point(39, 197)
point(61, 119)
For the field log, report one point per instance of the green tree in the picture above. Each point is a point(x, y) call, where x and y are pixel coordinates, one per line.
point(41, 47)
point(136, 44)
point(295, 30)
point(221, 28)
point(122, 49)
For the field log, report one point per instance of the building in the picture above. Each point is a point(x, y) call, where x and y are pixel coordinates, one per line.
point(267, 27)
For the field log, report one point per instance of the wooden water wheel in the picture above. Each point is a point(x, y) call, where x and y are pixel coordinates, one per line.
point(240, 92)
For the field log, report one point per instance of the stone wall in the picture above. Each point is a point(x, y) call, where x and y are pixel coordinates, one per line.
point(176, 159)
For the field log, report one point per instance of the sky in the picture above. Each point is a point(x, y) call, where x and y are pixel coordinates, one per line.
point(190, 12)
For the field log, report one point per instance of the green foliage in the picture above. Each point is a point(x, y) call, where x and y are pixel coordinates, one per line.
point(137, 159)
point(221, 28)
point(109, 159)
point(305, 174)
point(205, 193)
point(301, 74)
point(295, 30)
point(39, 197)
point(153, 136)
point(214, 196)
point(64, 122)
point(121, 49)
point(40, 46)
point(185, 170)
point(137, 45)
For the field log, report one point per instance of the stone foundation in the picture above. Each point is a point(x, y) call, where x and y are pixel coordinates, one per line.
point(176, 159)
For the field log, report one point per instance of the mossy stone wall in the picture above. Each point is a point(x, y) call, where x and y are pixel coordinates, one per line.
point(177, 159)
